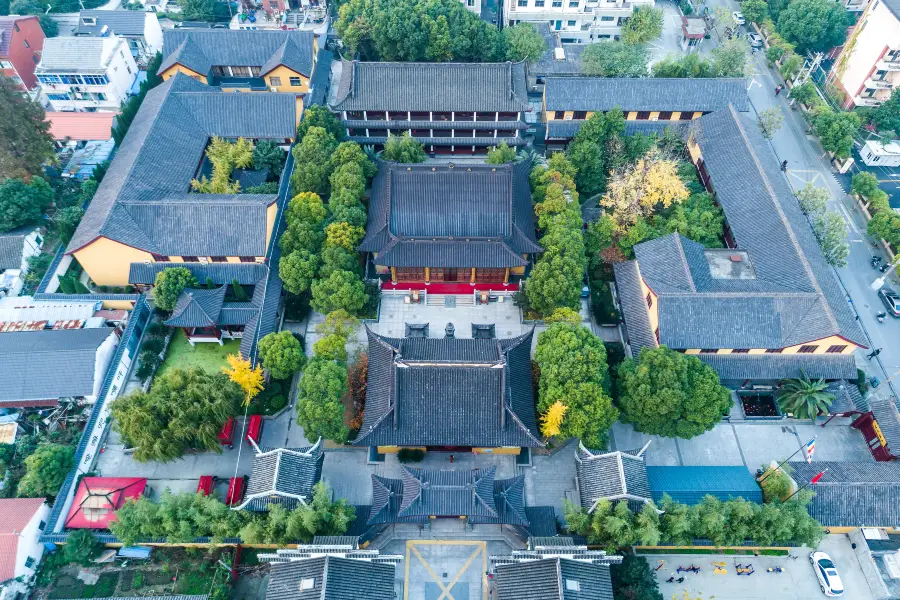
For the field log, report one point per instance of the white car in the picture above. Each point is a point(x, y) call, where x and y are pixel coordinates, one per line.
point(738, 18)
point(829, 580)
point(754, 40)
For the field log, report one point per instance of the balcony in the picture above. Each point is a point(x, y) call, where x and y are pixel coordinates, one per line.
point(867, 101)
point(879, 84)
point(888, 64)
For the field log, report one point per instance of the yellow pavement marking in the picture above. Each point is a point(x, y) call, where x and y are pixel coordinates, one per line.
point(460, 574)
point(445, 589)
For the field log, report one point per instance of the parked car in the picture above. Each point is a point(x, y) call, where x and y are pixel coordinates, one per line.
point(738, 18)
point(829, 580)
point(754, 40)
point(891, 300)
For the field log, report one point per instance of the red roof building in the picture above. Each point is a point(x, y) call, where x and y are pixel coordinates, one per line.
point(21, 523)
point(21, 43)
point(81, 126)
point(98, 498)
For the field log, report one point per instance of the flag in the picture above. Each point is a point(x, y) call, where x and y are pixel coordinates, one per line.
point(818, 477)
point(810, 448)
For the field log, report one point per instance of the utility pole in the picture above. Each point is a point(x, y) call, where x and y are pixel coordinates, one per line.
point(806, 72)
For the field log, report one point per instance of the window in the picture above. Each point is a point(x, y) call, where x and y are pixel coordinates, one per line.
point(100, 96)
point(580, 115)
point(219, 259)
point(16, 26)
point(128, 68)
point(741, 351)
point(41, 525)
point(571, 23)
point(557, 4)
point(35, 59)
point(573, 4)
point(58, 97)
point(275, 81)
point(254, 71)
point(836, 349)
point(607, 19)
point(559, 114)
point(522, 3)
point(539, 3)
point(649, 300)
point(308, 583)
point(95, 80)
point(122, 54)
point(774, 351)
point(656, 334)
point(27, 45)
point(29, 562)
point(665, 115)
point(190, 259)
point(248, 259)
point(807, 349)
point(296, 82)
point(708, 351)
point(643, 115)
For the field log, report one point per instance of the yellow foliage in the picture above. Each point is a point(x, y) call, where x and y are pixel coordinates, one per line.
point(225, 157)
point(650, 185)
point(553, 418)
point(249, 379)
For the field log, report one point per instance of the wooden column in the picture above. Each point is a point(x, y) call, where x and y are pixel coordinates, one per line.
point(394, 275)
point(427, 275)
point(506, 276)
point(472, 278)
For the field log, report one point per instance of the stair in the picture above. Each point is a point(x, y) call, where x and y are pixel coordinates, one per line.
point(434, 299)
point(449, 300)
point(408, 531)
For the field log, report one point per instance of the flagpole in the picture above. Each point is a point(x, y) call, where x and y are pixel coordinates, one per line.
point(779, 465)
point(805, 485)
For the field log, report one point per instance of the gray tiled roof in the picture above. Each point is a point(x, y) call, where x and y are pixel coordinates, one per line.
point(72, 55)
point(565, 130)
point(483, 142)
point(468, 216)
point(792, 296)
point(893, 6)
point(200, 50)
point(852, 493)
point(781, 366)
point(610, 475)
point(11, 248)
point(846, 397)
point(634, 306)
point(52, 364)
point(129, 23)
point(645, 94)
point(321, 79)
point(197, 307)
point(143, 200)
point(449, 392)
point(334, 578)
point(498, 87)
point(439, 125)
point(548, 64)
point(219, 273)
point(475, 494)
point(283, 476)
point(549, 579)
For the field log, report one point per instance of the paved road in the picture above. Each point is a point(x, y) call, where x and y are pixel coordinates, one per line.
point(807, 163)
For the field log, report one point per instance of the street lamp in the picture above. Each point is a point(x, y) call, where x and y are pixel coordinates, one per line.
point(878, 283)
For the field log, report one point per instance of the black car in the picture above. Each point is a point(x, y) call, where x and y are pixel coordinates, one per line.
point(891, 301)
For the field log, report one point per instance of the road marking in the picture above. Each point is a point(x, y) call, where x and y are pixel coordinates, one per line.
point(445, 589)
point(849, 219)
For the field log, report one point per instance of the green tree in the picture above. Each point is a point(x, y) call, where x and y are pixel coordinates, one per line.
point(671, 394)
point(45, 470)
point(184, 410)
point(523, 43)
point(48, 25)
point(281, 354)
point(588, 155)
point(730, 59)
point(331, 347)
point(813, 199)
point(298, 270)
point(615, 59)
point(770, 121)
point(830, 230)
point(342, 290)
point(269, 156)
point(836, 130)
point(755, 11)
point(343, 235)
point(170, 282)
point(305, 218)
point(645, 24)
point(573, 371)
point(776, 485)
point(404, 149)
point(312, 161)
point(813, 25)
point(866, 185)
point(805, 93)
point(319, 408)
point(564, 315)
point(691, 65)
point(320, 116)
point(885, 225)
point(555, 280)
point(886, 117)
point(351, 152)
point(791, 65)
point(23, 203)
point(25, 141)
point(197, 10)
point(805, 398)
point(81, 546)
point(335, 258)
point(322, 516)
point(632, 579)
point(66, 221)
point(678, 522)
point(699, 219)
point(501, 154)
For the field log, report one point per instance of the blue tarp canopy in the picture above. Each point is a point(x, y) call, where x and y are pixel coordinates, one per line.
point(135, 552)
point(688, 485)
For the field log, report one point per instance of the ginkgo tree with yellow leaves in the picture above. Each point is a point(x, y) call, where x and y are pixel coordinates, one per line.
point(551, 421)
point(245, 375)
point(652, 184)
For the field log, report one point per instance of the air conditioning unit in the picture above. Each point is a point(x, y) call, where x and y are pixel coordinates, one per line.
point(274, 89)
point(203, 260)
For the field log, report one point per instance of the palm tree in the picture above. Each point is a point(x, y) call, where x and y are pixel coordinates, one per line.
point(805, 398)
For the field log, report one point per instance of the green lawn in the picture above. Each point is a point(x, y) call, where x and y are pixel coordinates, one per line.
point(209, 356)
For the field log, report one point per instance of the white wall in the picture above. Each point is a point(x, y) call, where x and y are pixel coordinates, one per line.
point(579, 20)
point(153, 35)
point(121, 71)
point(878, 27)
point(29, 546)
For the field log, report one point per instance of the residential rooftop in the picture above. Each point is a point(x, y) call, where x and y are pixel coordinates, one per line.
point(119, 22)
point(85, 55)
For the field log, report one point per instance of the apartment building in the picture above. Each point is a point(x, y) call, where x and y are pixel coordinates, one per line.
point(577, 21)
point(21, 43)
point(86, 74)
point(868, 68)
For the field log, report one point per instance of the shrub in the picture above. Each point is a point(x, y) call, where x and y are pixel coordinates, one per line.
point(410, 455)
